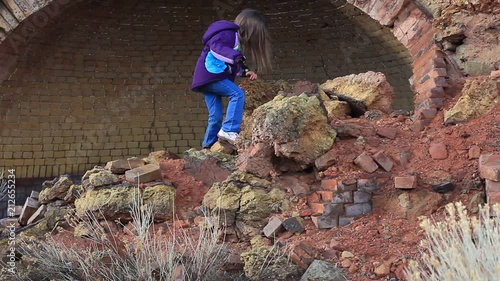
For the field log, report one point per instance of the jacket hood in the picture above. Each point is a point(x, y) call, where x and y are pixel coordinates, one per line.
point(217, 27)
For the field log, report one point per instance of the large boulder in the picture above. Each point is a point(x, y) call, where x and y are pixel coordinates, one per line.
point(295, 127)
point(208, 167)
point(57, 191)
point(478, 97)
point(244, 201)
point(370, 88)
point(115, 203)
point(257, 93)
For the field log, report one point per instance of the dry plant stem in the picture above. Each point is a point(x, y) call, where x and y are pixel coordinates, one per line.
point(461, 247)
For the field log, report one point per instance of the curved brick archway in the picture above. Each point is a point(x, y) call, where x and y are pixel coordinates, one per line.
point(101, 80)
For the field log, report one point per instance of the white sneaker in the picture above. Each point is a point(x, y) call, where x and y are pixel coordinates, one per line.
point(230, 137)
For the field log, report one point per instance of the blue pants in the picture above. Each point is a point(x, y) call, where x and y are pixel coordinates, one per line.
point(213, 93)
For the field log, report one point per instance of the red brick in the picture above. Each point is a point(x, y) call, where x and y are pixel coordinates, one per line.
point(438, 151)
point(492, 186)
point(474, 152)
point(317, 208)
point(144, 174)
point(386, 11)
point(425, 42)
point(427, 58)
point(329, 184)
point(386, 132)
point(489, 166)
point(325, 196)
point(493, 198)
point(273, 227)
point(405, 182)
point(366, 162)
point(384, 161)
point(313, 197)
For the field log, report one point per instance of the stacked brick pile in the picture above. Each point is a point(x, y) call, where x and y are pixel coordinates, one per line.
point(340, 202)
point(489, 168)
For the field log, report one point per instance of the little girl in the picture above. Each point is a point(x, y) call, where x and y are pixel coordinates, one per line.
point(221, 61)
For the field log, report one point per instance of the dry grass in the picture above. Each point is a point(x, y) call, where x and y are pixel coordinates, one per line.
point(3, 186)
point(150, 255)
point(461, 247)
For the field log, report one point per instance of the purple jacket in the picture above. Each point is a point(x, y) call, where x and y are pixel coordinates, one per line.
point(219, 58)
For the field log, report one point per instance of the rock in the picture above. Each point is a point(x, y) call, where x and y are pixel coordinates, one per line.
point(257, 160)
point(122, 165)
point(156, 157)
point(144, 174)
point(374, 114)
point(347, 255)
point(101, 178)
point(366, 162)
point(74, 192)
point(324, 271)
point(383, 270)
point(479, 96)
point(489, 166)
point(245, 198)
point(54, 216)
point(210, 167)
point(405, 182)
point(263, 262)
point(384, 161)
point(115, 203)
point(386, 132)
point(325, 161)
point(443, 188)
point(273, 227)
point(56, 191)
point(297, 186)
point(438, 151)
point(294, 224)
point(336, 109)
point(492, 192)
point(477, 200)
point(218, 148)
point(371, 88)
point(257, 93)
point(408, 205)
point(295, 127)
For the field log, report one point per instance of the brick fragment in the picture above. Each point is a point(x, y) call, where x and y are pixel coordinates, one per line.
point(366, 162)
point(387, 132)
point(489, 166)
point(121, 166)
point(438, 151)
point(384, 161)
point(405, 182)
point(362, 197)
point(325, 161)
point(34, 194)
point(38, 215)
point(303, 254)
point(293, 224)
point(144, 174)
point(317, 208)
point(345, 220)
point(273, 227)
point(325, 222)
point(348, 185)
point(367, 186)
point(356, 210)
point(474, 152)
point(325, 196)
point(329, 184)
point(29, 208)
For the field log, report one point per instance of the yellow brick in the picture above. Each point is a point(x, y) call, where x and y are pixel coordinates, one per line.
point(17, 155)
point(30, 172)
point(59, 154)
point(23, 172)
point(27, 154)
point(7, 155)
point(50, 161)
point(18, 162)
point(29, 162)
point(48, 154)
point(43, 172)
point(27, 147)
point(39, 162)
point(36, 172)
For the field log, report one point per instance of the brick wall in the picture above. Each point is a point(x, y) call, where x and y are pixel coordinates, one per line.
point(102, 80)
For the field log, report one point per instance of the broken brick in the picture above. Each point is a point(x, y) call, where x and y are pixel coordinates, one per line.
point(329, 184)
point(405, 182)
point(367, 185)
point(389, 133)
point(317, 208)
point(293, 224)
point(345, 220)
point(474, 152)
point(325, 222)
point(384, 161)
point(492, 186)
point(438, 151)
point(325, 196)
point(38, 215)
point(30, 207)
point(366, 162)
point(121, 166)
point(489, 166)
point(144, 174)
point(348, 185)
point(325, 161)
point(273, 227)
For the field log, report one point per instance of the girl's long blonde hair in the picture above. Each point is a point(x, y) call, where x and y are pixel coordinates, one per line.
point(254, 39)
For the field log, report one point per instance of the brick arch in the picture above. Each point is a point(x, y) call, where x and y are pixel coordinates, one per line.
point(412, 26)
point(63, 111)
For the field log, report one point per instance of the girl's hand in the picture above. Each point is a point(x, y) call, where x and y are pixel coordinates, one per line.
point(252, 75)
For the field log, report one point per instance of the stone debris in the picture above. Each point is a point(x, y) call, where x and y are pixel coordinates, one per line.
point(405, 182)
point(366, 162)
